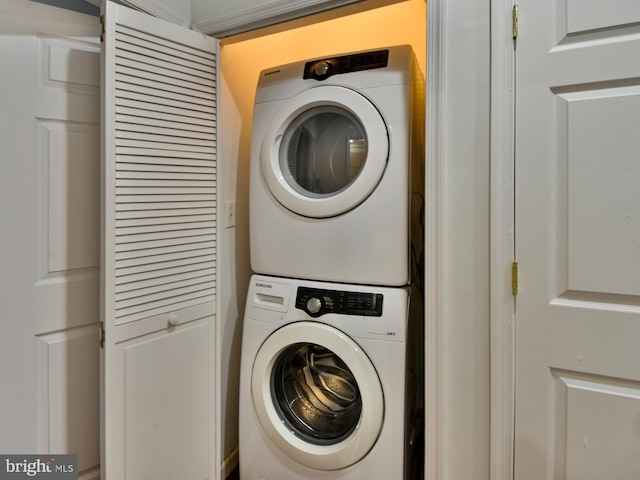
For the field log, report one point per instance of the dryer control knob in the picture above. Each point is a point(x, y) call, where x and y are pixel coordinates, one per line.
point(322, 68)
point(314, 305)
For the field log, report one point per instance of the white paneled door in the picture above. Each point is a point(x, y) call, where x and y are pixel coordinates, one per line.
point(158, 249)
point(578, 240)
point(49, 232)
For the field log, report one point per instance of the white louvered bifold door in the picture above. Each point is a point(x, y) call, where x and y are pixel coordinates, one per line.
point(159, 249)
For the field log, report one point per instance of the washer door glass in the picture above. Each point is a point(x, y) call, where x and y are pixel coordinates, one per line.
point(325, 151)
point(317, 395)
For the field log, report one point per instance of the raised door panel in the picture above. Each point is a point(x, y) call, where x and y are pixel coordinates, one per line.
point(166, 407)
point(577, 241)
point(49, 250)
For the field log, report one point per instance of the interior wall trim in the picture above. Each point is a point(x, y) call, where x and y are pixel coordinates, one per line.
point(152, 7)
point(265, 15)
point(229, 463)
point(434, 341)
point(502, 242)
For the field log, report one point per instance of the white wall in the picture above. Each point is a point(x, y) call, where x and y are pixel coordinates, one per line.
point(202, 10)
point(180, 7)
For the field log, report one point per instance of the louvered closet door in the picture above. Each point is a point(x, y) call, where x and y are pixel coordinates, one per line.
point(159, 249)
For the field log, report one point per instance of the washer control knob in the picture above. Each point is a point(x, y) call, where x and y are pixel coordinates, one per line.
point(314, 304)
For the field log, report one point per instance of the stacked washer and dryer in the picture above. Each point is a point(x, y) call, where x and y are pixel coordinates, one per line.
point(331, 371)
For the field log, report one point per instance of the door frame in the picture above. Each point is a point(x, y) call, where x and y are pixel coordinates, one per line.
point(502, 240)
point(434, 344)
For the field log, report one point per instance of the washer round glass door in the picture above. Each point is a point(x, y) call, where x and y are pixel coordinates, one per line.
point(317, 395)
point(325, 152)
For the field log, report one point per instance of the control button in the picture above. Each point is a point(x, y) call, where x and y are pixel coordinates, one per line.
point(314, 305)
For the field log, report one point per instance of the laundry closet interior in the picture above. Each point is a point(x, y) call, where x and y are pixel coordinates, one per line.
point(242, 57)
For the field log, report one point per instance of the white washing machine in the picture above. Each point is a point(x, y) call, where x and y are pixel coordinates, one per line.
point(324, 392)
point(337, 161)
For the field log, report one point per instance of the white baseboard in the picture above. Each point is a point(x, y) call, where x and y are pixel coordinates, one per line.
point(229, 463)
point(92, 473)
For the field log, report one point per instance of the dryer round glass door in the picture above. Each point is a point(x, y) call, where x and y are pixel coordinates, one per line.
point(325, 152)
point(317, 395)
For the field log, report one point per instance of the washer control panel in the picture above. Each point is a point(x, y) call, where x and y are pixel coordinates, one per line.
point(326, 67)
point(317, 302)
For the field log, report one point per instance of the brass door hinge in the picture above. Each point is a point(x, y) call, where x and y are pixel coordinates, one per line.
point(101, 335)
point(514, 278)
point(514, 20)
point(102, 28)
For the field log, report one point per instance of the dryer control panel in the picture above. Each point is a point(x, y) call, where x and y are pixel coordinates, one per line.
point(326, 67)
point(317, 302)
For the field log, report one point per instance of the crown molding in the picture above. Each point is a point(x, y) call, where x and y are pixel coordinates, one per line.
point(152, 7)
point(265, 15)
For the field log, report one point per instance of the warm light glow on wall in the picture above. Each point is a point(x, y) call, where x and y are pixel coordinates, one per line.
point(243, 57)
point(396, 24)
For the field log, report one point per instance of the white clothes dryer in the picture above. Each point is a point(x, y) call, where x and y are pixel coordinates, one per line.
point(323, 390)
point(337, 160)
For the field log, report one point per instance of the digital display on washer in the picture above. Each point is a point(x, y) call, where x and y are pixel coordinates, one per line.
point(317, 302)
point(324, 68)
